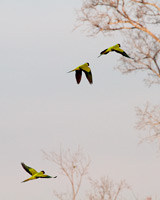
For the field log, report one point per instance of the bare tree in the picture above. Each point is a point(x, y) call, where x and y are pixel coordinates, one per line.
point(149, 118)
point(105, 189)
point(139, 22)
point(74, 166)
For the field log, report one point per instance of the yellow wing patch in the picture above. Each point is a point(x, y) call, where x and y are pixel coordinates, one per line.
point(116, 48)
point(33, 171)
point(28, 169)
point(85, 67)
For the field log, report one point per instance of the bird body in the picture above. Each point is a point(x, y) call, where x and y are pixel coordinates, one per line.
point(34, 174)
point(78, 72)
point(115, 48)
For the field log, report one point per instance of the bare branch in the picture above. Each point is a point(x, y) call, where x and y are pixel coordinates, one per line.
point(105, 14)
point(149, 118)
point(148, 3)
point(106, 189)
point(74, 166)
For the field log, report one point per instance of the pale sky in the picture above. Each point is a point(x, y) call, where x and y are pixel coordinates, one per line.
point(42, 107)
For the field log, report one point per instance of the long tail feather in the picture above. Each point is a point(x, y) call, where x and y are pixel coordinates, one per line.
point(25, 180)
point(71, 71)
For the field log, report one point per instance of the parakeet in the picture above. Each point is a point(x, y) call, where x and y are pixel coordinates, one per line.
point(116, 49)
point(34, 174)
point(78, 73)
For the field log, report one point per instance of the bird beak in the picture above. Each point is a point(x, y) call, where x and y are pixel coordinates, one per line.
point(99, 56)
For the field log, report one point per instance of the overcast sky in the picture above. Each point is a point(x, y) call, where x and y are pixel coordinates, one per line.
point(42, 107)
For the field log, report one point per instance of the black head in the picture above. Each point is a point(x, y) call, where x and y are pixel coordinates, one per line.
point(88, 64)
point(43, 172)
point(119, 45)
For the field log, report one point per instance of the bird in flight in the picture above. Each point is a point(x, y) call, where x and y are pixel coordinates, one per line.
point(78, 72)
point(34, 174)
point(115, 48)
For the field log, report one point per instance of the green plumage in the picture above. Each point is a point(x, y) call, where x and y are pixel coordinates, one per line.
point(34, 174)
point(83, 68)
point(115, 48)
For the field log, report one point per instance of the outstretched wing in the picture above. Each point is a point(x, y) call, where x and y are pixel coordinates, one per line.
point(28, 169)
point(46, 176)
point(123, 53)
point(119, 50)
point(89, 76)
point(78, 76)
point(104, 52)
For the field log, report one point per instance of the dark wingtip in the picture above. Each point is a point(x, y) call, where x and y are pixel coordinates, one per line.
point(22, 163)
point(90, 81)
point(129, 57)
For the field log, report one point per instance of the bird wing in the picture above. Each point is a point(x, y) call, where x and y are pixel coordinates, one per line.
point(28, 169)
point(119, 50)
point(87, 72)
point(89, 76)
point(78, 76)
point(46, 176)
point(104, 52)
point(122, 53)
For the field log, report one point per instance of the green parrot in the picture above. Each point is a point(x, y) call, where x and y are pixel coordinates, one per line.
point(116, 49)
point(86, 70)
point(34, 174)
